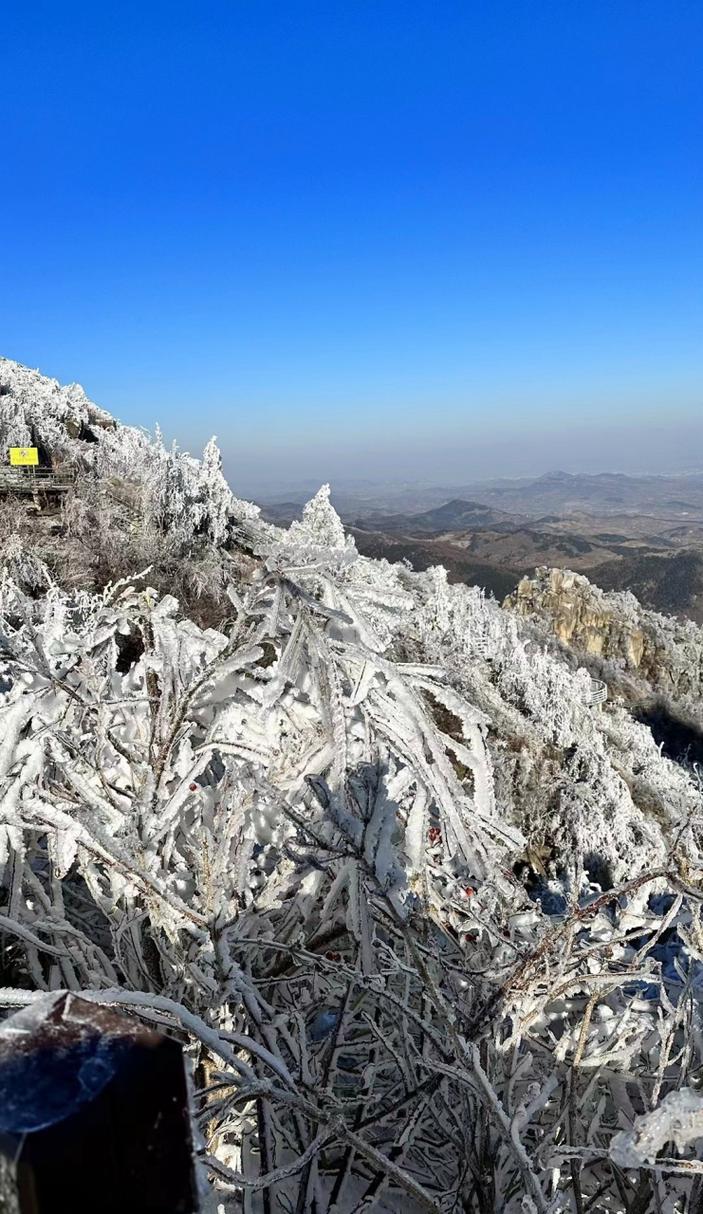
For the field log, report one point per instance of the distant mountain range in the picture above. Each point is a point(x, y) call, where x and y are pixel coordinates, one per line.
point(643, 534)
point(560, 493)
point(603, 493)
point(449, 517)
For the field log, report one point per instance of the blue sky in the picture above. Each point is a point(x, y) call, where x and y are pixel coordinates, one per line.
point(384, 239)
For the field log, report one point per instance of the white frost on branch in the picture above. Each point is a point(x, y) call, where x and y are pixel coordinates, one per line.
point(431, 926)
point(678, 1120)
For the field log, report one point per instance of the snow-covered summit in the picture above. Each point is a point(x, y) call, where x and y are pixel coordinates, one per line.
point(188, 495)
point(37, 410)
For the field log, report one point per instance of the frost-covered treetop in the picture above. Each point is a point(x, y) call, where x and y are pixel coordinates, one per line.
point(37, 410)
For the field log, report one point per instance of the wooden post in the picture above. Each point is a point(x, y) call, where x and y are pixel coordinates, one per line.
point(93, 1114)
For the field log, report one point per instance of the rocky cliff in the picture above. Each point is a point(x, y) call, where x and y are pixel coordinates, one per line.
point(640, 652)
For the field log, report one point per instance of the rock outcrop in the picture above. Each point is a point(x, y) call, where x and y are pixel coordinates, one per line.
point(641, 650)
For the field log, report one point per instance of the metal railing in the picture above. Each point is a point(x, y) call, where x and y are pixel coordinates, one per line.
point(597, 693)
point(483, 646)
point(36, 480)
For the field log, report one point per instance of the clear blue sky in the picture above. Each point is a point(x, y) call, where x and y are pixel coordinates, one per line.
point(370, 237)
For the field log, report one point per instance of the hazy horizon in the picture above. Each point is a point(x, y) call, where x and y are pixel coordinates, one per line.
point(672, 447)
point(641, 445)
point(667, 452)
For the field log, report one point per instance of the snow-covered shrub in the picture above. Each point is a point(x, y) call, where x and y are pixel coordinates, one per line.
point(184, 812)
point(267, 839)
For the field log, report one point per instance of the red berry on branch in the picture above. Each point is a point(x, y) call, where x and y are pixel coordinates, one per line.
point(193, 787)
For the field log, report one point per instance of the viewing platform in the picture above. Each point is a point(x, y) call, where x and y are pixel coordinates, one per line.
point(597, 693)
point(35, 481)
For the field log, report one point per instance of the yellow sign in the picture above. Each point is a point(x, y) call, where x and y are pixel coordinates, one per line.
point(23, 456)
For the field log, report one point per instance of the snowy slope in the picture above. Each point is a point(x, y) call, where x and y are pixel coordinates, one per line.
point(432, 920)
point(180, 492)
